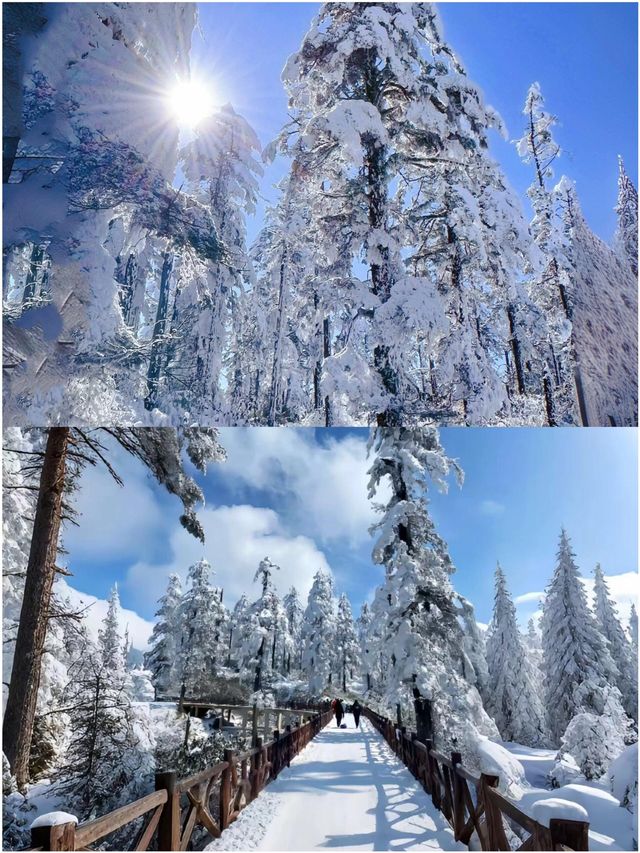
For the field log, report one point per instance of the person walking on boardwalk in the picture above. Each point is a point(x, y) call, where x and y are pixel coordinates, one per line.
point(356, 710)
point(338, 710)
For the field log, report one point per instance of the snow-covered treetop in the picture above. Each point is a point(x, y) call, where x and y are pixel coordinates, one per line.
point(537, 145)
point(264, 573)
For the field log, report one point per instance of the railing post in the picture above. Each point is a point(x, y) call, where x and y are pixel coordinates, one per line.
point(289, 737)
point(493, 816)
point(56, 836)
point(458, 796)
point(257, 773)
point(433, 787)
point(403, 754)
point(169, 825)
point(254, 725)
point(277, 748)
point(225, 789)
point(572, 834)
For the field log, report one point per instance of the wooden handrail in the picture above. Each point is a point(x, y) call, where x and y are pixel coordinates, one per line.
point(446, 780)
point(177, 807)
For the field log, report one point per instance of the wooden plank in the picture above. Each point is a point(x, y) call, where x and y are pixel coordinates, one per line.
point(87, 833)
point(188, 827)
point(511, 810)
point(146, 834)
point(203, 776)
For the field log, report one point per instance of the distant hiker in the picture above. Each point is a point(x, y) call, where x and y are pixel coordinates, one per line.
point(338, 710)
point(356, 710)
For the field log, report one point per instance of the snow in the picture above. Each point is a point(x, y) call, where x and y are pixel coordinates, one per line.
point(54, 819)
point(495, 760)
point(556, 809)
point(611, 826)
point(346, 790)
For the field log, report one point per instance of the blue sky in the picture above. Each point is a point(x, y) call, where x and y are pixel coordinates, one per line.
point(299, 496)
point(583, 54)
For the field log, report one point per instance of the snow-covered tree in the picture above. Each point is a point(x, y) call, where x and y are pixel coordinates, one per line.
point(550, 289)
point(619, 646)
point(295, 614)
point(109, 757)
point(165, 640)
point(406, 211)
point(626, 237)
point(265, 634)
point(110, 641)
point(237, 630)
point(579, 673)
point(363, 628)
point(475, 647)
point(633, 627)
point(319, 634)
point(347, 659)
point(533, 645)
point(512, 690)
point(201, 616)
point(423, 638)
point(593, 741)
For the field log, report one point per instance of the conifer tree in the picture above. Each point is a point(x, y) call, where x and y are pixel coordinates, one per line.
point(319, 634)
point(363, 627)
point(200, 616)
point(295, 615)
point(475, 648)
point(422, 635)
point(626, 237)
point(633, 627)
point(165, 640)
point(348, 657)
point(512, 694)
point(619, 646)
point(579, 673)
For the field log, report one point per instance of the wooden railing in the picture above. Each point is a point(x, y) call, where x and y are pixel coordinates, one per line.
point(250, 719)
point(472, 803)
point(210, 800)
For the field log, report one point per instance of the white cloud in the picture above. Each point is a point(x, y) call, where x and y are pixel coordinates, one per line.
point(325, 485)
point(490, 507)
point(96, 610)
point(236, 539)
point(528, 596)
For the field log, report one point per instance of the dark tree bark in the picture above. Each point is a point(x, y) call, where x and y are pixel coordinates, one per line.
point(158, 344)
point(20, 712)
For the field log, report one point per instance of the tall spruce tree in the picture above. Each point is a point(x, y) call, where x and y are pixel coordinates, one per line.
point(348, 651)
point(389, 140)
point(319, 634)
point(512, 690)
point(165, 640)
point(423, 638)
point(579, 673)
point(619, 646)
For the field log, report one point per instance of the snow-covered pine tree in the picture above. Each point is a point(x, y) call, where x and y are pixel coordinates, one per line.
point(295, 614)
point(201, 652)
point(475, 648)
point(237, 631)
point(363, 628)
point(165, 641)
point(603, 296)
point(109, 757)
point(512, 690)
point(633, 627)
point(389, 137)
point(423, 638)
point(110, 640)
point(626, 237)
point(347, 661)
point(579, 673)
point(533, 645)
point(221, 170)
point(319, 634)
point(550, 288)
point(619, 646)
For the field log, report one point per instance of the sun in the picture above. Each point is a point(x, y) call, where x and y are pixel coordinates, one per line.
point(190, 101)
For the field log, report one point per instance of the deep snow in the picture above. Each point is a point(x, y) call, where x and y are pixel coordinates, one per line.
point(346, 790)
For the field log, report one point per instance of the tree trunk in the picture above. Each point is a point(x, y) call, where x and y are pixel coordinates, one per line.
point(515, 347)
point(277, 352)
point(35, 272)
point(34, 614)
point(158, 344)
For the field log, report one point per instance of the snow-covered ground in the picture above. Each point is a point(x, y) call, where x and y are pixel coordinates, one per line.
point(611, 825)
point(347, 791)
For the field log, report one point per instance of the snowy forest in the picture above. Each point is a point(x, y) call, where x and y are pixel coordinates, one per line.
point(90, 719)
point(396, 279)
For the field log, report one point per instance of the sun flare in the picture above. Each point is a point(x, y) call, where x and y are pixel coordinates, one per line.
point(190, 101)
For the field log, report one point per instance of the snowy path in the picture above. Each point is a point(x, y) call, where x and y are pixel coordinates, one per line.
point(345, 791)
